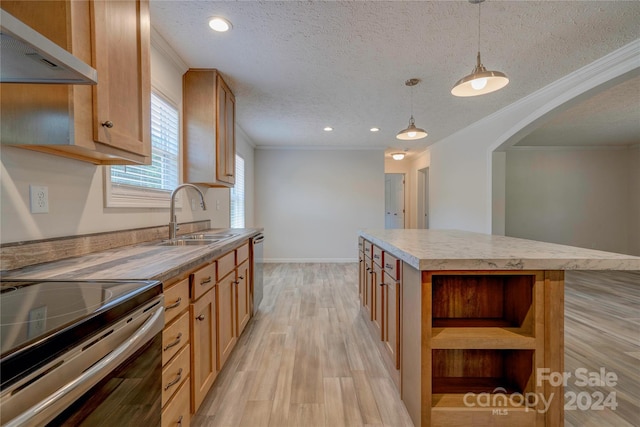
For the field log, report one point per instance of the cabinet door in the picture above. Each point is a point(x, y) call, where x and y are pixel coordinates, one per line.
point(226, 317)
point(361, 277)
point(391, 318)
point(203, 339)
point(225, 133)
point(366, 291)
point(377, 303)
point(243, 305)
point(121, 99)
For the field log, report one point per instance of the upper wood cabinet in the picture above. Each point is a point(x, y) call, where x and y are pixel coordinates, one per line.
point(209, 129)
point(108, 123)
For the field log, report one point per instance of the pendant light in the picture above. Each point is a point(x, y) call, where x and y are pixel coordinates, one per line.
point(480, 81)
point(412, 132)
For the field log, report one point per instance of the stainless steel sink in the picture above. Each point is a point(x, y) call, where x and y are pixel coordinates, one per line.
point(207, 236)
point(188, 242)
point(199, 239)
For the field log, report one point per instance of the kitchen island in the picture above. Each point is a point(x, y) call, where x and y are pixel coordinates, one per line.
point(472, 324)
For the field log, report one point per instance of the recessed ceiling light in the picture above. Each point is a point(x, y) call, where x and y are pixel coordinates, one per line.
point(374, 129)
point(328, 129)
point(220, 24)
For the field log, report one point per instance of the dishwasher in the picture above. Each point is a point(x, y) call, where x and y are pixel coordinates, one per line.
point(257, 270)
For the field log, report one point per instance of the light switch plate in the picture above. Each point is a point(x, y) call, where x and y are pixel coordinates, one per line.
point(39, 196)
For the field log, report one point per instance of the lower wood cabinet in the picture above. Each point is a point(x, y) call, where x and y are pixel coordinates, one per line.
point(243, 302)
point(380, 287)
point(177, 412)
point(391, 317)
point(206, 311)
point(227, 335)
point(176, 354)
point(203, 337)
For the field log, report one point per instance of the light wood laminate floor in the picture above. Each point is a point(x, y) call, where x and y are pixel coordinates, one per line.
point(307, 358)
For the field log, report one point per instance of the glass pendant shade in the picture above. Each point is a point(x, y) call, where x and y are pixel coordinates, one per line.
point(479, 82)
point(412, 132)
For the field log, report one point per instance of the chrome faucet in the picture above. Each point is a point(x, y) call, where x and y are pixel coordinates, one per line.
point(173, 223)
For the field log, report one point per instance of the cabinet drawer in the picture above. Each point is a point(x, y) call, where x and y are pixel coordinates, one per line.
point(176, 413)
point(226, 264)
point(174, 374)
point(242, 253)
point(176, 300)
point(391, 265)
point(203, 280)
point(377, 255)
point(174, 337)
point(367, 248)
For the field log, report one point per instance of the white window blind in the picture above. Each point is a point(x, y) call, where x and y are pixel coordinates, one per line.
point(155, 181)
point(237, 196)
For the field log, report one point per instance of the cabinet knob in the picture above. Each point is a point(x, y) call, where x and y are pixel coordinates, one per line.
point(107, 124)
point(241, 277)
point(236, 282)
point(229, 174)
point(201, 317)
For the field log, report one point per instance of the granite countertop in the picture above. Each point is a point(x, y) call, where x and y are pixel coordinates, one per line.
point(141, 261)
point(463, 250)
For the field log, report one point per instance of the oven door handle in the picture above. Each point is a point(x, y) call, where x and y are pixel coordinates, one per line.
point(49, 407)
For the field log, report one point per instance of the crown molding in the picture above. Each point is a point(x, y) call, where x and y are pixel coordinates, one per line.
point(158, 42)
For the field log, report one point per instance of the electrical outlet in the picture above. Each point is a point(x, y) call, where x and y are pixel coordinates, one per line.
point(39, 196)
point(37, 321)
point(217, 205)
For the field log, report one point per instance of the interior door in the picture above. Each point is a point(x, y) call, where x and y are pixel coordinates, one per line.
point(423, 198)
point(394, 200)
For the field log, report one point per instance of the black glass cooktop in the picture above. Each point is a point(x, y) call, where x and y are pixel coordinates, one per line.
point(41, 319)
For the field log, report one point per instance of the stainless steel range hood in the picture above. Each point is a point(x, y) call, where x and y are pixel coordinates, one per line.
point(29, 57)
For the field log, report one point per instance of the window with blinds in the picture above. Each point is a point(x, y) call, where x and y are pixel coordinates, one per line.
point(151, 185)
point(237, 196)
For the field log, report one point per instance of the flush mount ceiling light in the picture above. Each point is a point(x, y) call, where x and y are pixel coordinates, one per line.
point(480, 81)
point(220, 24)
point(397, 156)
point(328, 129)
point(412, 132)
point(374, 129)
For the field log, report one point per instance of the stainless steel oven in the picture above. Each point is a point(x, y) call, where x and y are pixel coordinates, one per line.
point(81, 353)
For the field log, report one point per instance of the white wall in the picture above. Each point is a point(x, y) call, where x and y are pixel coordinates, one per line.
point(577, 197)
point(76, 188)
point(312, 202)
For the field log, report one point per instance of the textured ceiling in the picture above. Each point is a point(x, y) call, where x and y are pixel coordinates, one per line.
point(298, 66)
